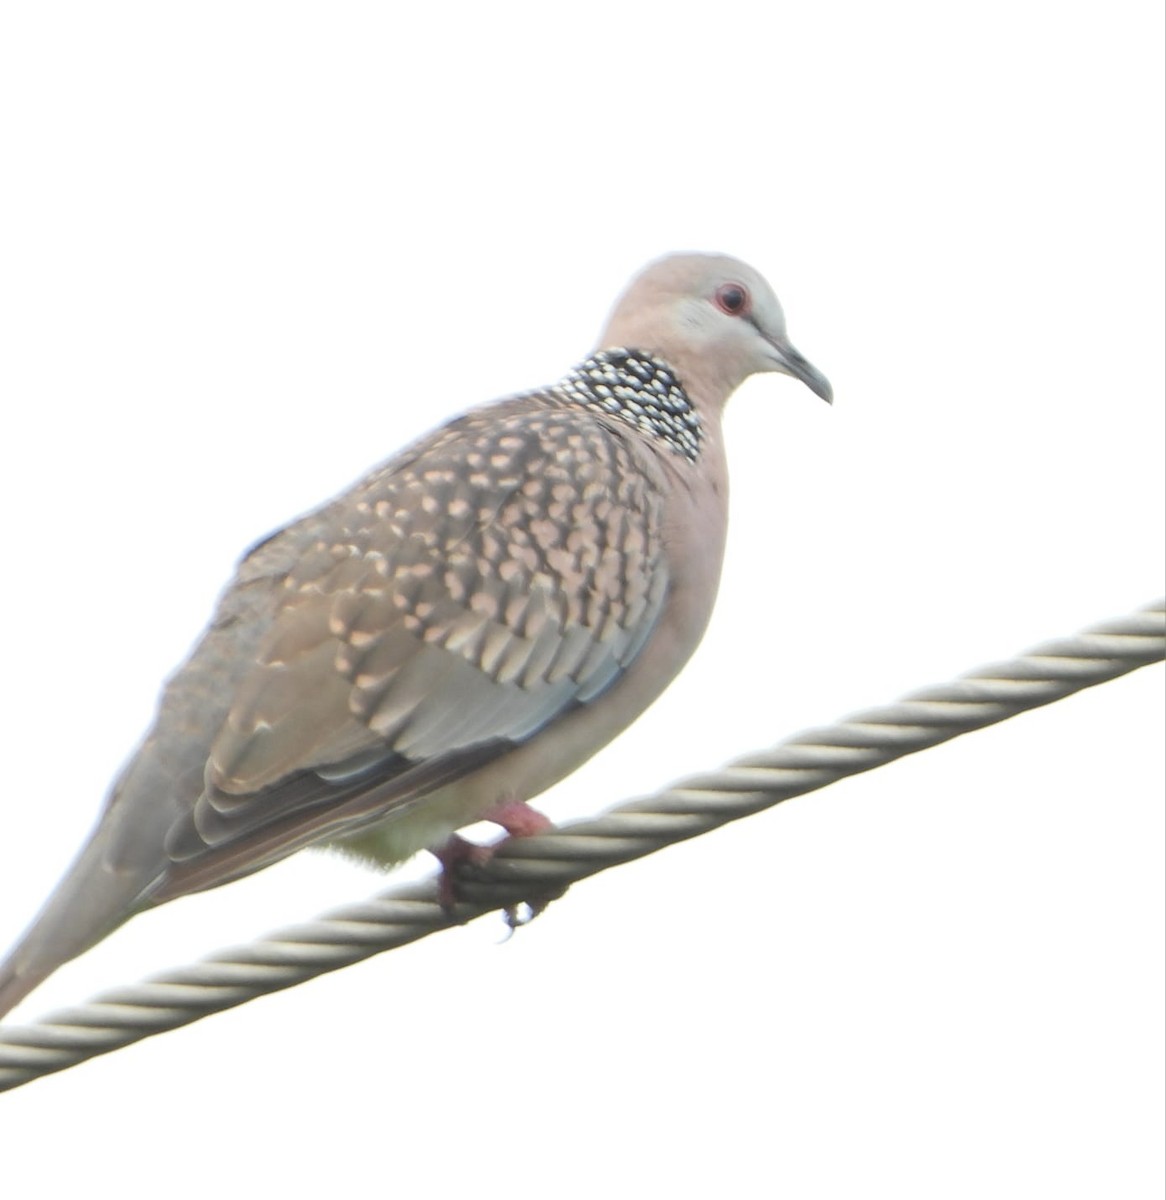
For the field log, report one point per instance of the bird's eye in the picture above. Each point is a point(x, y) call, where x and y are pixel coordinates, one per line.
point(733, 298)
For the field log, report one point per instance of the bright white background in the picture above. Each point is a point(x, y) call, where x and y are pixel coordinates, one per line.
point(250, 249)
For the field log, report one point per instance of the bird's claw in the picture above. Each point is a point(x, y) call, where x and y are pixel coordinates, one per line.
point(520, 821)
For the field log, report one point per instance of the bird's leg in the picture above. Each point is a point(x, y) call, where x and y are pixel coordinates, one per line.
point(455, 851)
point(519, 820)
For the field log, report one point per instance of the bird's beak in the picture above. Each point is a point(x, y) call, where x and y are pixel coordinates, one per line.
point(790, 362)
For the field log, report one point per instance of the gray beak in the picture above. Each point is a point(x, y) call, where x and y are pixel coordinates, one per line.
point(790, 362)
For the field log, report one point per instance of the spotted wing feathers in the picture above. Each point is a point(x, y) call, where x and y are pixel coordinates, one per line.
point(506, 570)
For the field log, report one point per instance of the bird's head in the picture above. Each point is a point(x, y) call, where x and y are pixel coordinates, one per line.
point(714, 320)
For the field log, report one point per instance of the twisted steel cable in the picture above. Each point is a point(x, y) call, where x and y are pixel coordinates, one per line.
point(532, 868)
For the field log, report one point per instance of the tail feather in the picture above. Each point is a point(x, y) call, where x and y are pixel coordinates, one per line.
point(93, 899)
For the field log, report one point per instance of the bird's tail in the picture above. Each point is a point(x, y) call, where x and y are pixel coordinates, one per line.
point(92, 900)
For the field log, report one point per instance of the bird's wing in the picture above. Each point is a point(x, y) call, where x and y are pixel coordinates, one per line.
point(447, 609)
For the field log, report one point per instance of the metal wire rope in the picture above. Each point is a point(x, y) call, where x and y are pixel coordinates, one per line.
point(525, 869)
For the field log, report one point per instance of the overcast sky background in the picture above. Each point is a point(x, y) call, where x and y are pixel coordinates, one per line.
point(250, 249)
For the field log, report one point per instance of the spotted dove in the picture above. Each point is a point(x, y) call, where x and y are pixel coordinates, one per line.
point(453, 634)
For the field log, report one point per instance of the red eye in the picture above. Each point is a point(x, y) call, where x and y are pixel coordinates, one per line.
point(733, 298)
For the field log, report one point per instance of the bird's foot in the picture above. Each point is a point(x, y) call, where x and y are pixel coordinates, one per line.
point(456, 851)
point(520, 821)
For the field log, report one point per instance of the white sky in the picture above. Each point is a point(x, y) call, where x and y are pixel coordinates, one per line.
point(250, 249)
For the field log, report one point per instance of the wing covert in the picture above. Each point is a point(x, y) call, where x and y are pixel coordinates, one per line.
point(503, 572)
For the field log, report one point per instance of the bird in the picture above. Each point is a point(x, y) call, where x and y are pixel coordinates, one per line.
point(453, 634)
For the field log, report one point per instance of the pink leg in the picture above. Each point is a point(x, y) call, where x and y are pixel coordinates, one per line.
point(519, 820)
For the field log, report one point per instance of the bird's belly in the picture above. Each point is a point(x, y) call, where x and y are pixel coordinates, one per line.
point(425, 825)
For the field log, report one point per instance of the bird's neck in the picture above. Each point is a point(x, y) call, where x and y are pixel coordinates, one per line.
point(642, 390)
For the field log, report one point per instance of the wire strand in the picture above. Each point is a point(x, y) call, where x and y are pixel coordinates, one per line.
point(527, 869)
